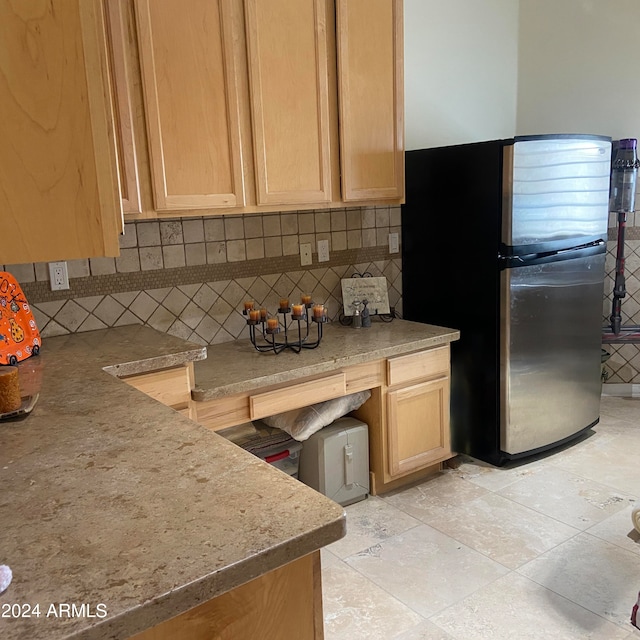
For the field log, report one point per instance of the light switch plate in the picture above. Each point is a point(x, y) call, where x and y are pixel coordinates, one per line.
point(305, 254)
point(323, 251)
point(394, 245)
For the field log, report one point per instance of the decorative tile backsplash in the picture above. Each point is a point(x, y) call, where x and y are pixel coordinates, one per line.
point(190, 277)
point(624, 364)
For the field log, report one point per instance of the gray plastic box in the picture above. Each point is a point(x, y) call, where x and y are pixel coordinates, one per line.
point(335, 461)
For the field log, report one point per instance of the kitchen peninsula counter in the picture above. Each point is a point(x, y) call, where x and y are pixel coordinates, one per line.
point(110, 498)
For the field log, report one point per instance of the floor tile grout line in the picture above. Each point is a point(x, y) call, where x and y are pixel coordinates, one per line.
point(610, 486)
point(522, 504)
point(596, 613)
point(577, 532)
point(509, 570)
point(375, 584)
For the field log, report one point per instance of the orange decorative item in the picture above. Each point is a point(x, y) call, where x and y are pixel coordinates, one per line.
point(19, 335)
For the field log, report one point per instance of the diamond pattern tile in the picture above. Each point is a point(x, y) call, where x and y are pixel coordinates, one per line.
point(189, 289)
point(180, 330)
point(176, 301)
point(144, 305)
point(109, 310)
point(71, 316)
point(207, 328)
point(89, 303)
point(234, 294)
point(284, 286)
point(192, 315)
point(204, 297)
point(259, 290)
point(220, 310)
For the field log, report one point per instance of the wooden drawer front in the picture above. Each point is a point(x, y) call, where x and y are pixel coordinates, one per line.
point(170, 386)
point(222, 413)
point(297, 395)
point(365, 376)
point(432, 363)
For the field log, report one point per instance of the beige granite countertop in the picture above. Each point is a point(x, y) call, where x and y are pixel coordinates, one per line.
point(234, 367)
point(110, 498)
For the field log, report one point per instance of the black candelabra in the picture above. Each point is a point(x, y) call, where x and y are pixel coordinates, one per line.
point(295, 327)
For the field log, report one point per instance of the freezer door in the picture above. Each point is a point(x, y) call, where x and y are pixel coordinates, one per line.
point(551, 317)
point(555, 189)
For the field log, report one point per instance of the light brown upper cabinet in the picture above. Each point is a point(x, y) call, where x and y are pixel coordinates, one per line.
point(241, 103)
point(190, 84)
point(59, 195)
point(288, 80)
point(371, 89)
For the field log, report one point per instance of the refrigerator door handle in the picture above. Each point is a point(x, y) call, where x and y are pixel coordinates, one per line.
point(511, 260)
point(588, 245)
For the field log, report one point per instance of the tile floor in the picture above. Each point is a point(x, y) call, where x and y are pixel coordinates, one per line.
point(544, 549)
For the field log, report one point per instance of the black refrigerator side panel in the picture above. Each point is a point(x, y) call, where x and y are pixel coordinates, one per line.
point(451, 229)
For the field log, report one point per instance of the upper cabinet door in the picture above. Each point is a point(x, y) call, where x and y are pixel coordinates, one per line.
point(288, 79)
point(370, 88)
point(191, 102)
point(120, 39)
point(58, 181)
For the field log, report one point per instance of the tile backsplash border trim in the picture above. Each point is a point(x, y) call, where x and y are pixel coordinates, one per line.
point(38, 292)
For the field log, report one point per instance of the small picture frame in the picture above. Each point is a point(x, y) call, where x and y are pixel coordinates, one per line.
point(373, 290)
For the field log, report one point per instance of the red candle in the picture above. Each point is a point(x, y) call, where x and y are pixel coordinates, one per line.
point(297, 311)
point(248, 305)
point(284, 303)
point(306, 300)
point(263, 314)
point(272, 323)
point(254, 314)
point(318, 311)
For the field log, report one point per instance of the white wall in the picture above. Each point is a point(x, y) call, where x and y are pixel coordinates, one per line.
point(579, 67)
point(461, 65)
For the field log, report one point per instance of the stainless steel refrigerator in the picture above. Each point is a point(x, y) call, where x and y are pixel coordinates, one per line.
point(506, 240)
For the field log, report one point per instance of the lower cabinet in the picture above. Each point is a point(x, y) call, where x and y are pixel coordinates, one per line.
point(282, 604)
point(408, 418)
point(418, 426)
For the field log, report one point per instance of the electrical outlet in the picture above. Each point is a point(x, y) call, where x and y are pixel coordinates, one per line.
point(305, 254)
point(394, 246)
point(323, 251)
point(58, 275)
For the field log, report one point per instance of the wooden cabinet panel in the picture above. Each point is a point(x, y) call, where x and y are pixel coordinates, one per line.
point(58, 180)
point(191, 100)
point(418, 426)
point(288, 79)
point(298, 395)
point(365, 376)
point(120, 39)
point(370, 83)
point(169, 386)
point(431, 363)
point(279, 605)
point(221, 413)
